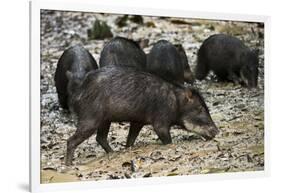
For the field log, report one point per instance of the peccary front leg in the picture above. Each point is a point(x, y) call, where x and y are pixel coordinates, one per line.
point(134, 131)
point(102, 137)
point(163, 133)
point(84, 131)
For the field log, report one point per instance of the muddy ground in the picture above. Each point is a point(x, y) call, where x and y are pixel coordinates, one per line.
point(237, 111)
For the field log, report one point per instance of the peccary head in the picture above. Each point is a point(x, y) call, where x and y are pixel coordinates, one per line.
point(195, 116)
point(249, 70)
point(73, 85)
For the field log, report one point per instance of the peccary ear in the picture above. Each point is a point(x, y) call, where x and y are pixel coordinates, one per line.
point(69, 75)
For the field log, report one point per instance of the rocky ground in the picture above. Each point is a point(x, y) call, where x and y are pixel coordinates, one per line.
point(237, 111)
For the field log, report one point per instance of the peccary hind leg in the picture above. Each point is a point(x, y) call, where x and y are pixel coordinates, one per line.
point(202, 68)
point(63, 100)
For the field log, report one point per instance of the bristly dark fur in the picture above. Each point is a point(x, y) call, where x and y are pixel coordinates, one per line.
point(121, 51)
point(76, 60)
point(117, 94)
point(229, 59)
point(164, 60)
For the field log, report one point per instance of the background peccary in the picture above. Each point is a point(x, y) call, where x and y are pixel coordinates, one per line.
point(187, 74)
point(164, 60)
point(123, 52)
point(77, 60)
point(229, 59)
point(116, 94)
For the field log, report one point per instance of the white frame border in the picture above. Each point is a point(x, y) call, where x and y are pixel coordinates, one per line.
point(34, 100)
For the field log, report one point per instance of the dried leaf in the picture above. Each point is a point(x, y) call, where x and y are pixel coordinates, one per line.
point(126, 164)
point(214, 170)
point(172, 174)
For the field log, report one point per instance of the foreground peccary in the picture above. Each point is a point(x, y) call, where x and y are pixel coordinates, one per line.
point(117, 94)
point(77, 60)
point(164, 60)
point(229, 59)
point(187, 74)
point(121, 51)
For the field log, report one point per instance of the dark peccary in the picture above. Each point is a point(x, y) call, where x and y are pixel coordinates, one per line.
point(77, 60)
point(123, 52)
point(117, 94)
point(229, 59)
point(187, 74)
point(164, 61)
